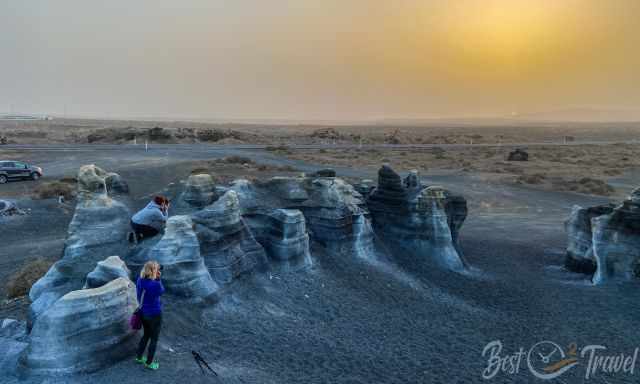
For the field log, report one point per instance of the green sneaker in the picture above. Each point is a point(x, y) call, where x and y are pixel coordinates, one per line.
point(153, 366)
point(140, 360)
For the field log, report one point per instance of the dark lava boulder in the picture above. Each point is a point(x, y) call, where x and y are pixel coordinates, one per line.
point(422, 221)
point(324, 173)
point(518, 155)
point(159, 134)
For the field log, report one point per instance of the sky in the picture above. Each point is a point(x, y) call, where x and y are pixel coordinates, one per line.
point(318, 59)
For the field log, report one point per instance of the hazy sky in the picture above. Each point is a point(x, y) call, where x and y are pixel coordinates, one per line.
point(318, 59)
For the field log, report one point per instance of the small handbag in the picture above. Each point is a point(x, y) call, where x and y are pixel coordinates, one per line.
point(136, 319)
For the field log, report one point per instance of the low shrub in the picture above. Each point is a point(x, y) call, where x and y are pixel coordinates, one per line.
point(19, 284)
point(54, 189)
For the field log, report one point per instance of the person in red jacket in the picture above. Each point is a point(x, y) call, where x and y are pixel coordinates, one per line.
point(149, 288)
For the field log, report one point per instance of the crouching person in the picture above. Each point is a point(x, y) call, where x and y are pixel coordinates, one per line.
point(150, 220)
point(149, 289)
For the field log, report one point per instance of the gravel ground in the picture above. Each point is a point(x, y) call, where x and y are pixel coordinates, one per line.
point(348, 320)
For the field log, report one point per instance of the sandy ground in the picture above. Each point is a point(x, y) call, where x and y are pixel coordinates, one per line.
point(383, 319)
point(272, 133)
point(590, 169)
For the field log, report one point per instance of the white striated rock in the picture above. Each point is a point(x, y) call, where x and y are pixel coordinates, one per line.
point(199, 190)
point(84, 331)
point(184, 273)
point(227, 246)
point(98, 230)
point(282, 233)
point(423, 222)
point(107, 270)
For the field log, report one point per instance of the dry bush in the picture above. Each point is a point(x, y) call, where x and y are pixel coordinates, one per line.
point(278, 148)
point(69, 180)
point(54, 189)
point(536, 178)
point(278, 168)
point(199, 171)
point(235, 160)
point(585, 185)
point(20, 282)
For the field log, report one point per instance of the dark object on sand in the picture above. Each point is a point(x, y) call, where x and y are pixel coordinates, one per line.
point(200, 361)
point(3, 140)
point(328, 172)
point(7, 208)
point(518, 155)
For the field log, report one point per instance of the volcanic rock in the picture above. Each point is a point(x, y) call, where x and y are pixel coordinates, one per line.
point(12, 344)
point(13, 329)
point(282, 233)
point(93, 179)
point(228, 247)
point(98, 230)
point(422, 221)
point(107, 270)
point(580, 246)
point(84, 331)
point(10, 352)
point(199, 190)
point(518, 155)
point(614, 246)
point(184, 271)
point(324, 173)
point(334, 211)
point(616, 243)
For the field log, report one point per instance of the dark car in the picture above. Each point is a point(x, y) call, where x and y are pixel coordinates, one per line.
point(12, 170)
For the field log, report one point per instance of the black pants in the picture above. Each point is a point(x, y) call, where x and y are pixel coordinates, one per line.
point(145, 230)
point(151, 327)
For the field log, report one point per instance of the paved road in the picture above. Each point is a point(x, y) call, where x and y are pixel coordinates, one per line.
point(214, 147)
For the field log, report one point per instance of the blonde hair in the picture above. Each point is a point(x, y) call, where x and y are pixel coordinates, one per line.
point(149, 270)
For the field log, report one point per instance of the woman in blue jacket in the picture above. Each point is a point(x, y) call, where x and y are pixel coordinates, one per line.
point(150, 220)
point(150, 285)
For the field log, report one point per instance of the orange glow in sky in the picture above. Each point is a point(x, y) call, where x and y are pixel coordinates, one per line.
point(312, 59)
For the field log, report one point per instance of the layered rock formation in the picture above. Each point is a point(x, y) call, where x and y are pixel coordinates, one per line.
point(614, 245)
point(423, 221)
point(12, 344)
point(184, 270)
point(334, 212)
point(199, 190)
point(85, 330)
point(107, 270)
point(518, 155)
point(282, 233)
point(98, 230)
point(580, 246)
point(226, 244)
point(92, 179)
